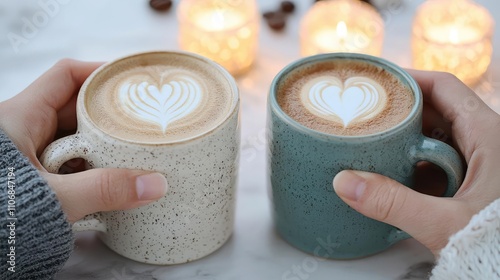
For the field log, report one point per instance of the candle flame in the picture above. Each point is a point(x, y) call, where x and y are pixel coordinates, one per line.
point(342, 30)
point(218, 19)
point(454, 36)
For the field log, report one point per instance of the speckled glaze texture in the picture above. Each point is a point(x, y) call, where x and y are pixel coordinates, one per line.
point(196, 216)
point(302, 164)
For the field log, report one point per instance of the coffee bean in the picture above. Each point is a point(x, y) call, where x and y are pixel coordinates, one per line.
point(160, 5)
point(287, 6)
point(277, 21)
point(268, 15)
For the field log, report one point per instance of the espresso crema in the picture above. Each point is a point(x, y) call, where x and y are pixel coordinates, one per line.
point(158, 97)
point(345, 97)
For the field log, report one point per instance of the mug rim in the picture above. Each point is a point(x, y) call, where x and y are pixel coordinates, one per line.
point(377, 61)
point(83, 115)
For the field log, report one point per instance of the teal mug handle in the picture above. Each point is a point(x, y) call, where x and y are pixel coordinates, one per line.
point(442, 155)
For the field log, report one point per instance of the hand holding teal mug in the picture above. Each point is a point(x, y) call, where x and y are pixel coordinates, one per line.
point(311, 138)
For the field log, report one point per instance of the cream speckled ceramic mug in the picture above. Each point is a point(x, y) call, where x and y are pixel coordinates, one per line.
point(171, 112)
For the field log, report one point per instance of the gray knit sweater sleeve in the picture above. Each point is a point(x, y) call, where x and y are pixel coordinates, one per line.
point(35, 237)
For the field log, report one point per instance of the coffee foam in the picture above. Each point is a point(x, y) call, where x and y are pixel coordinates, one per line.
point(161, 102)
point(358, 99)
point(160, 97)
point(345, 97)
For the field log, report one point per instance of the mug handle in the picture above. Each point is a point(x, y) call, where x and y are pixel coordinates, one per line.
point(59, 152)
point(442, 155)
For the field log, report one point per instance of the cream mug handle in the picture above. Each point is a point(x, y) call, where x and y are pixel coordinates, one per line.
point(59, 152)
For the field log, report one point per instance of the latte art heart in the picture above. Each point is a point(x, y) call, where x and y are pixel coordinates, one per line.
point(357, 99)
point(174, 98)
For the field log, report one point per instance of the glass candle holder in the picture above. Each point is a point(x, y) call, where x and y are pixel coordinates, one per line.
point(341, 26)
point(225, 31)
point(453, 36)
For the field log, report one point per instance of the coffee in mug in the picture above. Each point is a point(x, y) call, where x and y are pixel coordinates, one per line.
point(345, 97)
point(338, 111)
point(158, 98)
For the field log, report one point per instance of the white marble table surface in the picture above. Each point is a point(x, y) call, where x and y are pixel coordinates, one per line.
point(103, 30)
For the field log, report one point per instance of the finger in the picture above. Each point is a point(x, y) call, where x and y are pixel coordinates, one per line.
point(66, 117)
point(58, 90)
point(58, 85)
point(435, 126)
point(35, 110)
point(446, 92)
point(469, 115)
point(430, 220)
point(97, 190)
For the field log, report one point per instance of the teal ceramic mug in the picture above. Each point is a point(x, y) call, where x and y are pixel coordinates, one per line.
point(302, 163)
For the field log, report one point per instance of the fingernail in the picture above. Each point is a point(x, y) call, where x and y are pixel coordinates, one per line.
point(151, 186)
point(349, 185)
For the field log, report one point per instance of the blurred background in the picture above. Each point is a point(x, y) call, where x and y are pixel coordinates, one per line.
point(33, 38)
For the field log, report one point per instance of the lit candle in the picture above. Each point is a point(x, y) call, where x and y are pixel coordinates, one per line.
point(219, 20)
point(449, 33)
point(341, 39)
point(453, 36)
point(225, 31)
point(341, 26)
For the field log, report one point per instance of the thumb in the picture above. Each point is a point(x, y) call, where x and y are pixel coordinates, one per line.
point(97, 190)
point(430, 220)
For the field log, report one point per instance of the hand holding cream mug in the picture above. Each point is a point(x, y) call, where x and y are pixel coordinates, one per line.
point(175, 113)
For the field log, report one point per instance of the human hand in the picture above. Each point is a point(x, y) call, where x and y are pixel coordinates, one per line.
point(47, 109)
point(454, 110)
